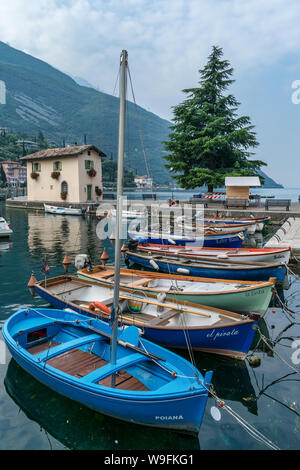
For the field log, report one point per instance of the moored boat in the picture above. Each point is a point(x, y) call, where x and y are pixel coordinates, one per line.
point(252, 298)
point(269, 255)
point(5, 230)
point(63, 210)
point(70, 354)
point(165, 321)
point(203, 267)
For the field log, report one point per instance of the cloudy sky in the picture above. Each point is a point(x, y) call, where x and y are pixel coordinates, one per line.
point(168, 41)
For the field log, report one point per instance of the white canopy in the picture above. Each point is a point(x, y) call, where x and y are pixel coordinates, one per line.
point(242, 181)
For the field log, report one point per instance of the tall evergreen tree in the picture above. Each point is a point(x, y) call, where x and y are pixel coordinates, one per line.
point(208, 140)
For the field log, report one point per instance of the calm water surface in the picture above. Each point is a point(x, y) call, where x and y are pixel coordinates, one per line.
point(34, 417)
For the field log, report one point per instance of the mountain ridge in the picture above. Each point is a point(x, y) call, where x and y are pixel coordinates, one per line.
point(40, 97)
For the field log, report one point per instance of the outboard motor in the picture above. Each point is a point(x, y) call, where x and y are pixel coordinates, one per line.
point(83, 261)
point(132, 245)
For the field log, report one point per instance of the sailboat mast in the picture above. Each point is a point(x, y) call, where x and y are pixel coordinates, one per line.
point(114, 313)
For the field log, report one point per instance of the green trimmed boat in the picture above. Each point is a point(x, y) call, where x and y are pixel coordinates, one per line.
point(245, 297)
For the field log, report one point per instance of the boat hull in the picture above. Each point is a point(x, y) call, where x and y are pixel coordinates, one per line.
point(222, 241)
point(267, 255)
point(173, 267)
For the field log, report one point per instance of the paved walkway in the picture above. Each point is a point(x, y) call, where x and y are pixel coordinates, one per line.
point(287, 235)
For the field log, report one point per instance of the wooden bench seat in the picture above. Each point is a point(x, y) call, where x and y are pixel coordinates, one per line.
point(164, 317)
point(236, 203)
point(278, 203)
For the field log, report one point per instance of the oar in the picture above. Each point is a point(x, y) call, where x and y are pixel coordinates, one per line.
point(128, 345)
point(151, 302)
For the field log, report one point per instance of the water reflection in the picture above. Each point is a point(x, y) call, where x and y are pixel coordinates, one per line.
point(77, 427)
point(5, 246)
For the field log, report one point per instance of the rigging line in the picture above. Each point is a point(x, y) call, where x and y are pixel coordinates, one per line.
point(275, 352)
point(248, 427)
point(139, 127)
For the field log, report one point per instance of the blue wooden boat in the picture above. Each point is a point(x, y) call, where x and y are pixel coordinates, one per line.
point(210, 268)
point(227, 240)
point(70, 354)
point(167, 322)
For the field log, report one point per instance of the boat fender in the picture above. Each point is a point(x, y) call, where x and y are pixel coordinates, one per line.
point(183, 270)
point(241, 236)
point(100, 306)
point(153, 264)
point(222, 256)
point(171, 241)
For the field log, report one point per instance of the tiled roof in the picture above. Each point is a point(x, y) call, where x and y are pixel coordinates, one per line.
point(71, 151)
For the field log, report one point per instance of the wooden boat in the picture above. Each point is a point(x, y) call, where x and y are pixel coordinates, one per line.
point(207, 227)
point(227, 240)
point(5, 230)
point(70, 354)
point(203, 267)
point(109, 369)
point(269, 255)
point(63, 210)
point(260, 221)
point(252, 298)
point(166, 322)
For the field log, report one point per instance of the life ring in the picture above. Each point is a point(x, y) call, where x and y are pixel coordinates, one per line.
point(100, 306)
point(172, 202)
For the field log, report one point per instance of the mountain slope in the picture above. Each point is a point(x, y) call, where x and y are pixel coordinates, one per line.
point(39, 97)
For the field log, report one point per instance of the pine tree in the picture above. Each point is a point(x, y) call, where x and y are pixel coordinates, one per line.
point(208, 140)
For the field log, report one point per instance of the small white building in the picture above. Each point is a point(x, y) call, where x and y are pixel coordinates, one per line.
point(71, 174)
point(238, 187)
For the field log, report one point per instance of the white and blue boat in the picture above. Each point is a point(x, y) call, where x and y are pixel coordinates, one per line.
point(227, 240)
point(168, 322)
point(70, 354)
point(217, 268)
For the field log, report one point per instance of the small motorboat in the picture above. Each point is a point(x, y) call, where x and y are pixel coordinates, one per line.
point(246, 297)
point(5, 230)
point(63, 210)
point(70, 353)
point(268, 255)
point(170, 323)
point(203, 267)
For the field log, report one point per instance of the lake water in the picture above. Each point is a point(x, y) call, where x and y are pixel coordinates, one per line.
point(34, 417)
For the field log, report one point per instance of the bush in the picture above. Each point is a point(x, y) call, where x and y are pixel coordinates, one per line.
point(55, 175)
point(63, 195)
point(34, 175)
